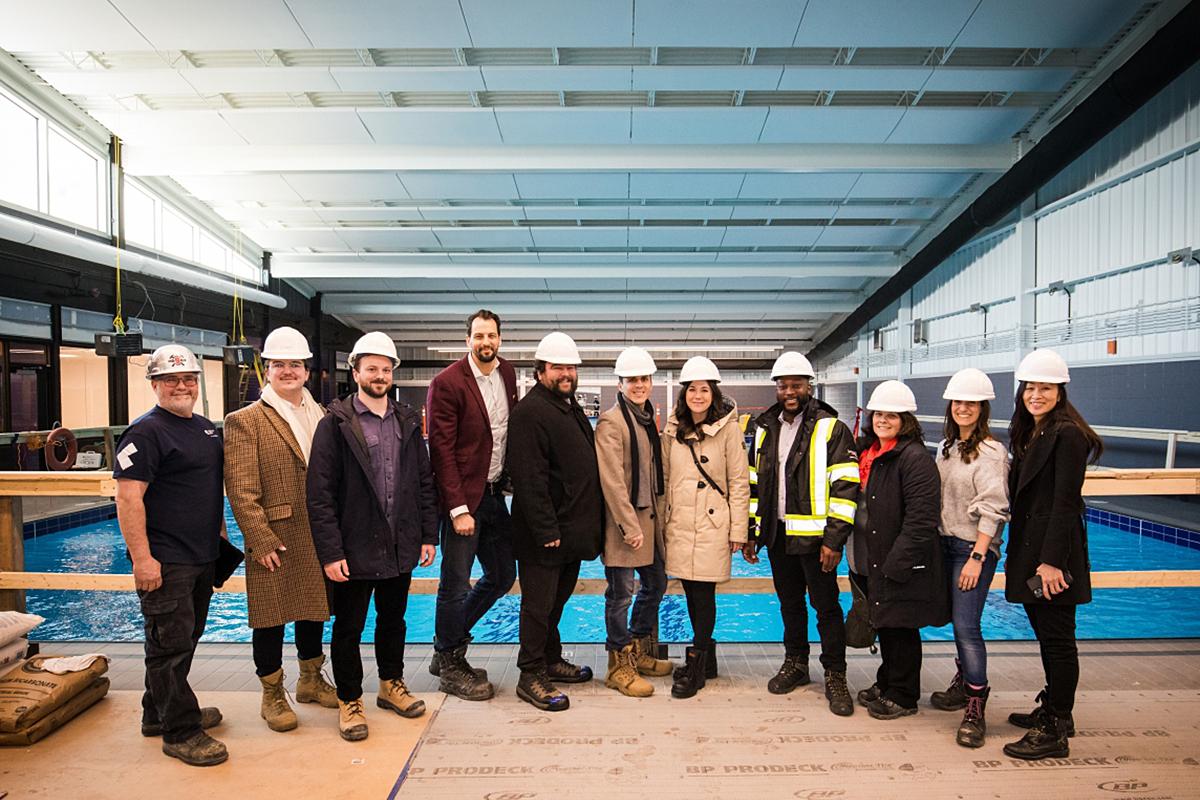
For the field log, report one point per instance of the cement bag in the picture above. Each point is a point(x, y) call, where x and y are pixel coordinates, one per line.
point(28, 692)
point(60, 716)
point(11, 653)
point(14, 625)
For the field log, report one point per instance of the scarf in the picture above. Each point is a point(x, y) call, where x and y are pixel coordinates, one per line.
point(303, 420)
point(868, 458)
point(640, 481)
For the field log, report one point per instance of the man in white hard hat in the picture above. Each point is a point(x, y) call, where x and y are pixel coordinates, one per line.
point(170, 507)
point(558, 515)
point(804, 480)
point(373, 512)
point(267, 446)
point(467, 415)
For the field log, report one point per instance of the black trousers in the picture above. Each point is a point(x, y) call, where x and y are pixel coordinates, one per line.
point(351, 601)
point(702, 611)
point(1054, 626)
point(545, 590)
point(794, 576)
point(899, 674)
point(175, 615)
point(267, 644)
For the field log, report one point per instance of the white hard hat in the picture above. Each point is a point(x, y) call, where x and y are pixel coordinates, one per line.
point(286, 344)
point(634, 361)
point(171, 359)
point(1043, 366)
point(792, 363)
point(557, 348)
point(892, 396)
point(375, 343)
point(969, 384)
point(699, 368)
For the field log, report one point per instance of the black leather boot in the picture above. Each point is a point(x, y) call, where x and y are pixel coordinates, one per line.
point(792, 673)
point(955, 696)
point(1030, 719)
point(690, 678)
point(1046, 739)
point(972, 729)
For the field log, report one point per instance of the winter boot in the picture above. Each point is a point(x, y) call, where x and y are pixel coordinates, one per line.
point(536, 689)
point(623, 674)
point(973, 727)
point(352, 720)
point(690, 678)
point(838, 694)
point(312, 687)
point(793, 673)
point(1030, 719)
point(201, 750)
point(275, 709)
point(460, 680)
point(1046, 739)
point(394, 695)
point(645, 651)
point(566, 672)
point(954, 697)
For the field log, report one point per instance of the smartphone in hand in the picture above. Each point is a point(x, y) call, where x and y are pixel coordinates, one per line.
point(1035, 583)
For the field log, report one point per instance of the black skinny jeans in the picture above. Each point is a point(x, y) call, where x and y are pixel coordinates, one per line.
point(351, 601)
point(793, 577)
point(702, 611)
point(267, 644)
point(1054, 626)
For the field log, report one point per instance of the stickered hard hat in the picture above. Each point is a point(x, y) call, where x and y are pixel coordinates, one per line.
point(172, 359)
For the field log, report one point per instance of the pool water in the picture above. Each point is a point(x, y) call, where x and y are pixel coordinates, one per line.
point(115, 616)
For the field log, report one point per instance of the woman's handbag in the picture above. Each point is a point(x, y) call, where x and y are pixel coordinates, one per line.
point(859, 631)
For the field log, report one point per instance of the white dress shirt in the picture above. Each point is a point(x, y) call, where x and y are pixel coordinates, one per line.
point(491, 386)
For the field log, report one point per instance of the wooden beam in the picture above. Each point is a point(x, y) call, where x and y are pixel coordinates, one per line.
point(28, 483)
point(12, 551)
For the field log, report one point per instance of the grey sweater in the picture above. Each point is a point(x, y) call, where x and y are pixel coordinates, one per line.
point(975, 495)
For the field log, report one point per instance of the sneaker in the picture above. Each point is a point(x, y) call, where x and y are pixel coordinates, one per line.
point(838, 694)
point(868, 695)
point(792, 673)
point(394, 695)
point(210, 717)
point(536, 689)
point(883, 708)
point(566, 672)
point(460, 680)
point(198, 750)
point(352, 720)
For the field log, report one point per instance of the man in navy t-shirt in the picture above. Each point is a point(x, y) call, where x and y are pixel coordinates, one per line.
point(170, 506)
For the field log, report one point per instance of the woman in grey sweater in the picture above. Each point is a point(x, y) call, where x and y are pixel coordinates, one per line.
point(974, 472)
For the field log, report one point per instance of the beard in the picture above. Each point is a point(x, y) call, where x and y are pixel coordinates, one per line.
point(484, 354)
point(376, 390)
point(566, 394)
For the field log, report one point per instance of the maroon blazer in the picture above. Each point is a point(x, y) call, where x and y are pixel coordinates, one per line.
point(460, 433)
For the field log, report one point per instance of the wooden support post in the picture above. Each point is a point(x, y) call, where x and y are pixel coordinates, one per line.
point(12, 550)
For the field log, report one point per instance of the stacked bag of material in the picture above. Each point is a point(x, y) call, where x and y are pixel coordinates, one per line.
point(14, 642)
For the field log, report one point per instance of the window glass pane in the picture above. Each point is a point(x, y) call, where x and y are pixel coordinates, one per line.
point(18, 155)
point(214, 387)
point(141, 396)
point(74, 194)
point(212, 253)
point(84, 383)
point(177, 235)
point(139, 215)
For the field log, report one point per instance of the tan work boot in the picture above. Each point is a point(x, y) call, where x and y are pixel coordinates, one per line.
point(352, 720)
point(312, 686)
point(623, 674)
point(645, 649)
point(394, 694)
point(275, 708)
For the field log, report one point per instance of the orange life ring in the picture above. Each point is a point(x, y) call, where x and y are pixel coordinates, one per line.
point(61, 439)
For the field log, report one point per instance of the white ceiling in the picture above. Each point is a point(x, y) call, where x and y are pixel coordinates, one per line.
point(303, 122)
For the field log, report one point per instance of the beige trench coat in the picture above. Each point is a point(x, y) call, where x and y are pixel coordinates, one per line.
point(264, 480)
point(622, 520)
point(700, 522)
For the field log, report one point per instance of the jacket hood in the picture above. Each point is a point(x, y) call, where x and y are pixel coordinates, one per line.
point(710, 429)
point(774, 411)
point(344, 409)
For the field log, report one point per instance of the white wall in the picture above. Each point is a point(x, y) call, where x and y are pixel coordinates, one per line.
point(83, 378)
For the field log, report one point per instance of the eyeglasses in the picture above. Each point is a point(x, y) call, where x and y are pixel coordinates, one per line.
point(175, 380)
point(292, 365)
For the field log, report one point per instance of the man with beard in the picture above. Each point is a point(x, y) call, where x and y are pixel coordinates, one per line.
point(373, 513)
point(804, 484)
point(467, 413)
point(557, 515)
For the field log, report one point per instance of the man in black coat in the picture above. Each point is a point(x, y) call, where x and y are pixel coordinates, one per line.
point(558, 516)
point(373, 512)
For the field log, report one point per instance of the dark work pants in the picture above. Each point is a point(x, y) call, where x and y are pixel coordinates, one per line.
point(794, 575)
point(267, 644)
point(175, 614)
point(459, 604)
point(899, 674)
point(702, 611)
point(545, 590)
point(1054, 627)
point(351, 601)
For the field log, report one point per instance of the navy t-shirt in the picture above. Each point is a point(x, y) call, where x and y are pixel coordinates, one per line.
point(182, 461)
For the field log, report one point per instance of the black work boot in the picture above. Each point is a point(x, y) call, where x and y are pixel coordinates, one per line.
point(838, 694)
point(1046, 739)
point(973, 727)
point(566, 672)
point(792, 673)
point(438, 659)
point(710, 660)
point(869, 695)
point(1030, 719)
point(690, 678)
point(460, 680)
point(954, 697)
point(536, 689)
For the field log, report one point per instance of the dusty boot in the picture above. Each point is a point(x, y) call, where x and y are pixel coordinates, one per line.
point(1046, 739)
point(690, 678)
point(460, 680)
point(275, 708)
point(792, 673)
point(954, 697)
point(1030, 720)
point(536, 689)
point(312, 686)
point(394, 695)
point(645, 651)
point(869, 695)
point(623, 674)
point(973, 728)
point(838, 694)
point(352, 720)
point(437, 660)
point(201, 750)
point(210, 717)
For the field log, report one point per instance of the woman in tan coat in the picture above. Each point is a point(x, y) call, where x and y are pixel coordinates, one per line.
point(266, 457)
point(708, 506)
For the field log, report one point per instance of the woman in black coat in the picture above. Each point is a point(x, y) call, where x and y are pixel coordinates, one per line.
point(1048, 568)
point(896, 552)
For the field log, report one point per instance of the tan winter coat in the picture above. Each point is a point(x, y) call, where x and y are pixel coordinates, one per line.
point(622, 520)
point(264, 480)
point(700, 522)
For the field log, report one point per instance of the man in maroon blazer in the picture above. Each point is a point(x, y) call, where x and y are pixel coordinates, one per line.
point(467, 413)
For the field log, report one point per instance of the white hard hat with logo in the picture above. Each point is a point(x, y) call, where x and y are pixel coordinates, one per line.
point(557, 348)
point(375, 343)
point(969, 384)
point(1043, 366)
point(792, 363)
point(171, 359)
point(633, 362)
point(286, 344)
point(892, 396)
point(699, 368)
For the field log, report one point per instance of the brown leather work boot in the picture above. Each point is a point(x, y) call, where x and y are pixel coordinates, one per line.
point(275, 708)
point(623, 674)
point(312, 687)
point(394, 695)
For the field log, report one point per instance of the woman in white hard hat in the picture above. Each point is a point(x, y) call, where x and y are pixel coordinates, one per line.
point(1047, 566)
point(708, 506)
point(896, 556)
point(974, 472)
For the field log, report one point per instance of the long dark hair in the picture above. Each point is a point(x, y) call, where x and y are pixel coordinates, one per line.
point(910, 428)
point(969, 448)
point(683, 415)
point(1023, 426)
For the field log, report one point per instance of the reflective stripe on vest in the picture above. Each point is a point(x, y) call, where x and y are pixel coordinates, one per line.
point(818, 457)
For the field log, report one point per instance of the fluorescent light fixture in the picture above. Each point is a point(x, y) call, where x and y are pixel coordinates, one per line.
point(616, 348)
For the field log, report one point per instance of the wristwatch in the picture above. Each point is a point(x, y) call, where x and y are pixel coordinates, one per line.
point(976, 556)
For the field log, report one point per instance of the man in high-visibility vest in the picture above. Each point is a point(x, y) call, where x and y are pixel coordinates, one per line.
point(804, 487)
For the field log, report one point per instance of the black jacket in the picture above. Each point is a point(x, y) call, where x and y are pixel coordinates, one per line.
point(898, 514)
point(1045, 491)
point(551, 458)
point(346, 515)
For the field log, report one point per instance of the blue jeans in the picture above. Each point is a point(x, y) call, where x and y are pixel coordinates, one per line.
point(967, 608)
point(617, 597)
point(459, 604)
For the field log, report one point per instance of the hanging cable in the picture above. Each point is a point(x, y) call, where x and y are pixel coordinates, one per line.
point(118, 318)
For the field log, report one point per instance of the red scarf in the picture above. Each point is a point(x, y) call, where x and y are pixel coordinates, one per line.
point(868, 458)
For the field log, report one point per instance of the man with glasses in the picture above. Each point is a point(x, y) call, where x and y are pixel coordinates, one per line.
point(170, 508)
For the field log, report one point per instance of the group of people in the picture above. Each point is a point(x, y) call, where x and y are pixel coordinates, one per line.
point(339, 505)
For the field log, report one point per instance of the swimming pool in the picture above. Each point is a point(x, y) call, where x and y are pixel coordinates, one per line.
point(114, 616)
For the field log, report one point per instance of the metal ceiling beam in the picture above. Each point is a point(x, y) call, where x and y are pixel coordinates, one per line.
point(572, 304)
point(283, 266)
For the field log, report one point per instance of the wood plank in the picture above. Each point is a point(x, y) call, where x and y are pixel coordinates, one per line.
point(18, 483)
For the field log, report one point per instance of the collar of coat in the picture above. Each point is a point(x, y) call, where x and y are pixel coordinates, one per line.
point(901, 446)
point(556, 400)
point(813, 409)
point(709, 428)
